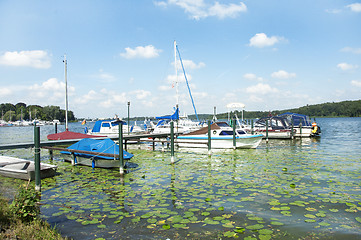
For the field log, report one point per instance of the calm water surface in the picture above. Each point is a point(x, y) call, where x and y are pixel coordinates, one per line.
point(299, 189)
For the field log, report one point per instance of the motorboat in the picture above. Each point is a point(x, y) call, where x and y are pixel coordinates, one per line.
point(302, 124)
point(110, 128)
point(87, 152)
point(222, 137)
point(24, 169)
point(273, 127)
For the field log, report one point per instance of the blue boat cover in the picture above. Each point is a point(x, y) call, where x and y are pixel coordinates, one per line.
point(96, 145)
point(175, 116)
point(298, 118)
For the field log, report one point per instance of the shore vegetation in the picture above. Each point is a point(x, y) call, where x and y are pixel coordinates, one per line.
point(20, 219)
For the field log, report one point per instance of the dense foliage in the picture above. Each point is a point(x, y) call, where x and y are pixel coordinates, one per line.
point(340, 109)
point(25, 205)
point(21, 111)
point(21, 220)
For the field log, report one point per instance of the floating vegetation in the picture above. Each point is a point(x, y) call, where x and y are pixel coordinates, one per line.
point(247, 194)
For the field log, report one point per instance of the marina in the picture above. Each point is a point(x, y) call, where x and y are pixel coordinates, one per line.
point(284, 189)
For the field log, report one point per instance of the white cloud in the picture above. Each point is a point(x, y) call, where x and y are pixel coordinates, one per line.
point(90, 96)
point(198, 9)
point(164, 87)
point(281, 74)
point(189, 64)
point(141, 94)
point(252, 76)
point(261, 88)
point(346, 66)
point(351, 50)
point(355, 7)
point(356, 83)
point(5, 92)
point(51, 91)
point(35, 59)
point(261, 40)
point(141, 52)
point(222, 11)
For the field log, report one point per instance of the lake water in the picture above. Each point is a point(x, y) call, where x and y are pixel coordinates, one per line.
point(285, 189)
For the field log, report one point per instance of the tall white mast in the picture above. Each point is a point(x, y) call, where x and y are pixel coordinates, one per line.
point(176, 71)
point(66, 95)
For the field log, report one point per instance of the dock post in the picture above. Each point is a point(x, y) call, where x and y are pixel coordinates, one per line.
point(234, 132)
point(300, 130)
point(252, 130)
point(172, 141)
point(292, 133)
point(37, 158)
point(209, 139)
point(56, 127)
point(267, 131)
point(121, 165)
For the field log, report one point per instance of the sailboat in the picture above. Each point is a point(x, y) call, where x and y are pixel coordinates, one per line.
point(67, 134)
point(183, 123)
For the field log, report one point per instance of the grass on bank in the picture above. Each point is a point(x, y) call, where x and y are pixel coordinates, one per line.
point(21, 218)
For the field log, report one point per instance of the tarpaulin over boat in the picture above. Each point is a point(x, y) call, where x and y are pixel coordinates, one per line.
point(175, 116)
point(100, 146)
point(297, 119)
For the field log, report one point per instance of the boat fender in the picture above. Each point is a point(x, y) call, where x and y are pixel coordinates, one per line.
point(214, 132)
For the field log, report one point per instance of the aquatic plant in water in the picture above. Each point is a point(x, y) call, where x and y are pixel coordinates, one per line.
point(249, 194)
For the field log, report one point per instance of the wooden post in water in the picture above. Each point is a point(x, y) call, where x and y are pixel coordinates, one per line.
point(172, 141)
point(121, 165)
point(252, 129)
point(56, 127)
point(209, 139)
point(234, 132)
point(292, 134)
point(266, 130)
point(300, 130)
point(37, 158)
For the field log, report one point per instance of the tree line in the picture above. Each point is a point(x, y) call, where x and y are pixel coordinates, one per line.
point(329, 109)
point(21, 111)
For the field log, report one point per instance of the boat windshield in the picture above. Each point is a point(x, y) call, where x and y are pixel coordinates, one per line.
point(226, 133)
point(222, 124)
point(241, 132)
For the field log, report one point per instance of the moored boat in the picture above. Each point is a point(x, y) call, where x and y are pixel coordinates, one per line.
point(110, 128)
point(302, 124)
point(221, 138)
point(273, 127)
point(24, 169)
point(86, 152)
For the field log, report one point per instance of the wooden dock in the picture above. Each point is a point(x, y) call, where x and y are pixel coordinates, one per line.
point(126, 138)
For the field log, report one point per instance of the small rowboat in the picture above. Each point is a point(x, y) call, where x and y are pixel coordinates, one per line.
point(24, 169)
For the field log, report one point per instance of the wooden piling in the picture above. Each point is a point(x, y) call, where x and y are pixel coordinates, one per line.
point(209, 139)
point(121, 155)
point(172, 141)
point(234, 133)
point(37, 158)
point(267, 131)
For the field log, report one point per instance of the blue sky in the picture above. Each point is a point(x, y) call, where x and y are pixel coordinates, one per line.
point(266, 54)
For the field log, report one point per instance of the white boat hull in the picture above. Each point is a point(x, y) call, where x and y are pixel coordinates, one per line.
point(101, 163)
point(24, 169)
point(276, 134)
point(246, 142)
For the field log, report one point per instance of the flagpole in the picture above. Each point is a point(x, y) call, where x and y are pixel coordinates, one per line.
point(66, 95)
